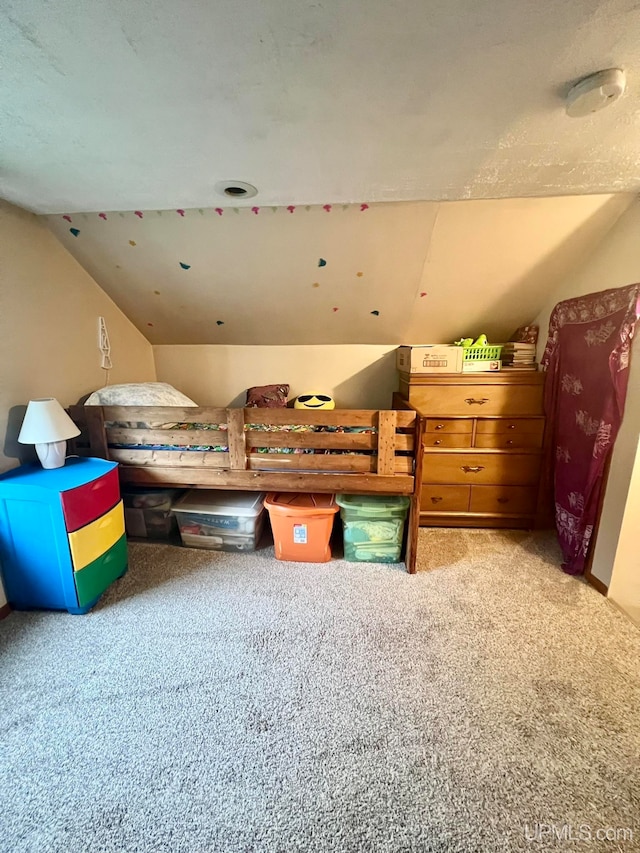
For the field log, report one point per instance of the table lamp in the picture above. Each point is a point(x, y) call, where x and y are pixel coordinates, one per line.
point(48, 426)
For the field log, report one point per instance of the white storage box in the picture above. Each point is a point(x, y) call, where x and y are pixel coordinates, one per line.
point(430, 358)
point(485, 366)
point(147, 512)
point(220, 520)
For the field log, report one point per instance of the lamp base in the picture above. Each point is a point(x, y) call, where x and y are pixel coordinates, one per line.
point(52, 453)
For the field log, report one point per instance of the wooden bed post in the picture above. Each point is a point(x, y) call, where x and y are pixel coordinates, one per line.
point(94, 417)
point(237, 440)
point(386, 443)
point(414, 504)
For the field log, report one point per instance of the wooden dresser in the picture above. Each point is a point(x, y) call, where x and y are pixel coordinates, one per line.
point(482, 440)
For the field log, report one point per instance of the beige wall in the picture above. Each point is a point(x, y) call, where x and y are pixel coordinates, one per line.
point(615, 263)
point(49, 309)
point(357, 376)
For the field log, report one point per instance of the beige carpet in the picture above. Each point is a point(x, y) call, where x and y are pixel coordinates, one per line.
point(230, 703)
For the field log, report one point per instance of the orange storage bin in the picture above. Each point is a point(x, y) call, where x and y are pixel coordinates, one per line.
point(301, 526)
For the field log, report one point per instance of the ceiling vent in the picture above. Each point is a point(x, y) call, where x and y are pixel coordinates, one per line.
point(236, 189)
point(595, 92)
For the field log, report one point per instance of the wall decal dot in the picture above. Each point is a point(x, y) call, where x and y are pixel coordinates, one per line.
point(185, 266)
point(255, 210)
point(364, 207)
point(132, 243)
point(74, 231)
point(359, 274)
point(322, 262)
point(327, 207)
point(219, 322)
point(316, 284)
point(180, 212)
point(67, 217)
point(334, 310)
point(376, 313)
point(219, 211)
point(102, 216)
point(424, 293)
point(157, 292)
point(149, 324)
point(291, 208)
point(118, 267)
point(138, 213)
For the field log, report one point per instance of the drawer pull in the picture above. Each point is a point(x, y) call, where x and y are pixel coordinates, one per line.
point(440, 426)
point(437, 442)
point(471, 400)
point(471, 469)
point(503, 500)
point(510, 441)
point(512, 426)
point(435, 500)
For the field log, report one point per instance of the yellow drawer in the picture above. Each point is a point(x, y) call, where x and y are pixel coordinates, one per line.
point(88, 543)
point(444, 498)
point(453, 439)
point(517, 500)
point(508, 441)
point(499, 468)
point(441, 425)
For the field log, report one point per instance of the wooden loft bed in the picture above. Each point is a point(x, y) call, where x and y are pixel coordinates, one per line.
point(349, 451)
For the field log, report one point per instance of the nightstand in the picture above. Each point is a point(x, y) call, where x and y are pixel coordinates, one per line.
point(62, 537)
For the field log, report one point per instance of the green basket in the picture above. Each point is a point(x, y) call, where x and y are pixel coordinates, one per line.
point(488, 353)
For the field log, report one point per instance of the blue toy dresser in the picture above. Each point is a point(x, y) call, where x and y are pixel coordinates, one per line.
point(62, 538)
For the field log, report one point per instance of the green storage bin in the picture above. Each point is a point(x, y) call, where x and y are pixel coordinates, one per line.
point(373, 527)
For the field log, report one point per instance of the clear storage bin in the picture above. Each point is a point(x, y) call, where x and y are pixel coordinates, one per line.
point(373, 527)
point(220, 520)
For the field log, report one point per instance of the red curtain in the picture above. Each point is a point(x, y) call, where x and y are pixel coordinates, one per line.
point(587, 363)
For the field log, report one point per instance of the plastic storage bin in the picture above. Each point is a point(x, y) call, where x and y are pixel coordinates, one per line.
point(373, 527)
point(219, 520)
point(147, 512)
point(301, 525)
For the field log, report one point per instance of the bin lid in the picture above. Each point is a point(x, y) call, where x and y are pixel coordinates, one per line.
point(301, 503)
point(373, 504)
point(220, 502)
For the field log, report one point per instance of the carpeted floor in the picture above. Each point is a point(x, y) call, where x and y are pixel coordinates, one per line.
point(234, 704)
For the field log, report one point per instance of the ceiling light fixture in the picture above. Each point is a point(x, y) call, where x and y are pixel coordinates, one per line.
point(236, 189)
point(595, 92)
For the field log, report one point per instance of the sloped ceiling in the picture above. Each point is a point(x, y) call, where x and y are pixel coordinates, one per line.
point(411, 272)
point(146, 105)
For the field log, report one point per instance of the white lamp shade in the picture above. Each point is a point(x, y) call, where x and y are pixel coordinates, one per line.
point(46, 421)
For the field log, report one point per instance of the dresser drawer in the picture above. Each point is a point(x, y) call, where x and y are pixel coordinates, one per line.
point(508, 441)
point(513, 469)
point(517, 500)
point(510, 426)
point(440, 425)
point(452, 439)
point(445, 498)
point(476, 399)
point(88, 543)
point(93, 499)
point(92, 580)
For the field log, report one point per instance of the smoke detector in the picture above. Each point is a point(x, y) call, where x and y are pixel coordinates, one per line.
point(595, 92)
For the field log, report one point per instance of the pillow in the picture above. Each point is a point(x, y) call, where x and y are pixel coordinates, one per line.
point(139, 394)
point(267, 397)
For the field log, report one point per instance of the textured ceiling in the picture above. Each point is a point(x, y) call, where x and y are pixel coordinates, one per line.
point(408, 272)
point(122, 106)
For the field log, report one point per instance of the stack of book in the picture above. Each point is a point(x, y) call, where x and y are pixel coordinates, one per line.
point(516, 356)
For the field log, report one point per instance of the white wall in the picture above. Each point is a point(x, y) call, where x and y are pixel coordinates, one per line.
point(49, 313)
point(357, 377)
point(615, 263)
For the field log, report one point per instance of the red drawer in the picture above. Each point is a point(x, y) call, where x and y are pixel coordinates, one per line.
point(88, 502)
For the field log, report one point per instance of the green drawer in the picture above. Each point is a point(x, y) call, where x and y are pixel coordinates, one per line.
point(92, 580)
